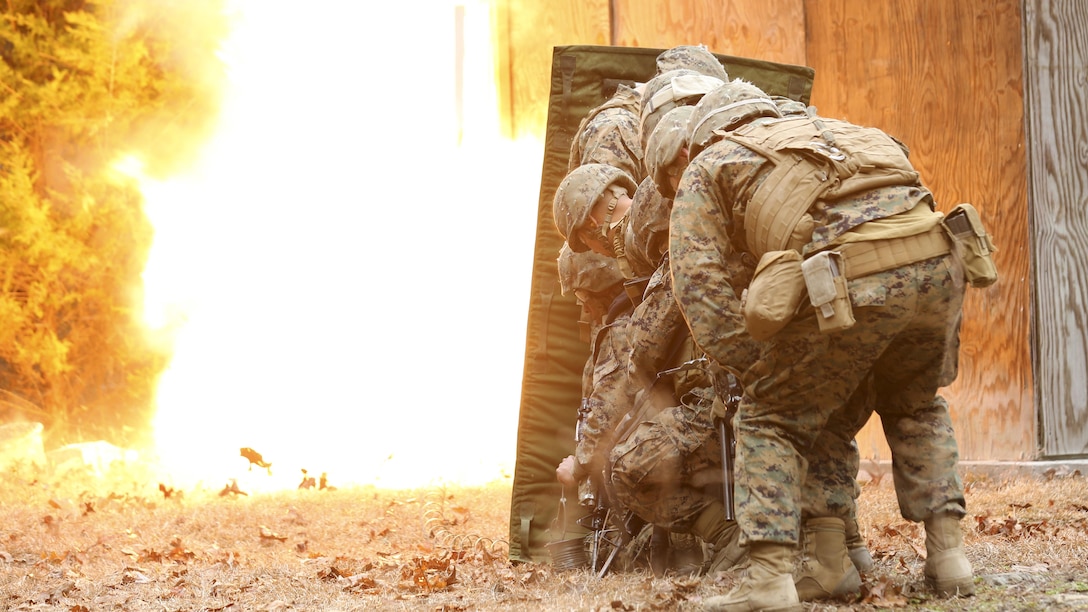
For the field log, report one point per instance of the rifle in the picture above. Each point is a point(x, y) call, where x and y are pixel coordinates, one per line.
point(612, 527)
point(731, 396)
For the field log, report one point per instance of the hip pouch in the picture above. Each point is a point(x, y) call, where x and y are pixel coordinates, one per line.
point(827, 291)
point(973, 245)
point(774, 295)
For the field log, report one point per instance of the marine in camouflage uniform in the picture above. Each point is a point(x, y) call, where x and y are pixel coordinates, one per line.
point(906, 324)
point(668, 465)
point(670, 454)
point(608, 134)
point(598, 285)
point(663, 468)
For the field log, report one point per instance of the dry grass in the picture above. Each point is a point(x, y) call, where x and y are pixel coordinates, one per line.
point(81, 544)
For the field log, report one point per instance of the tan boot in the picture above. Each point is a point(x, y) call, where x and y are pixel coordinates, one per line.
point(855, 544)
point(947, 569)
point(768, 586)
point(826, 568)
point(721, 536)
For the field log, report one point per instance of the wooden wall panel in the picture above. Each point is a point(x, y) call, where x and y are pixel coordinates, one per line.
point(763, 29)
point(945, 77)
point(533, 29)
point(1056, 46)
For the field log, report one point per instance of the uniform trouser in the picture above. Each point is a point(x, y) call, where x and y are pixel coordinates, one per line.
point(907, 321)
point(661, 471)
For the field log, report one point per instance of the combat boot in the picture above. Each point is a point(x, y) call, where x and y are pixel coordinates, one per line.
point(721, 536)
point(947, 569)
point(768, 586)
point(826, 568)
point(855, 544)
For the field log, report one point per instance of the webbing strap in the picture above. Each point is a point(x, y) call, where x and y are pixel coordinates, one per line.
point(778, 204)
point(566, 66)
point(865, 258)
point(528, 510)
point(814, 158)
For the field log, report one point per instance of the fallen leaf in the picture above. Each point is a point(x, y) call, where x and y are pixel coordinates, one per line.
point(268, 534)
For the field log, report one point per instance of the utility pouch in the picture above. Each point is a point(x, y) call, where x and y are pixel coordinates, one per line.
point(772, 298)
point(636, 289)
point(973, 244)
point(827, 291)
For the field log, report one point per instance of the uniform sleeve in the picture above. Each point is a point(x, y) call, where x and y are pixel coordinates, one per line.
point(612, 139)
point(699, 256)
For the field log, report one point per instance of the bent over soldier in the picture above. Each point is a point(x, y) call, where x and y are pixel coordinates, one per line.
point(834, 211)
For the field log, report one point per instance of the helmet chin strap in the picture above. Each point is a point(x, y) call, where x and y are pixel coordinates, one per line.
point(607, 225)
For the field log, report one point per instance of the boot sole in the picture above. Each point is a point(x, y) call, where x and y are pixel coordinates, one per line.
point(849, 585)
point(960, 587)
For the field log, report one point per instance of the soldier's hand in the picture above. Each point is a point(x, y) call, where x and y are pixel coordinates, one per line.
point(565, 472)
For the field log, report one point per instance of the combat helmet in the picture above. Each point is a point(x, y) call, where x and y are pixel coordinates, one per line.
point(664, 146)
point(726, 108)
point(579, 191)
point(647, 237)
point(588, 271)
point(691, 57)
point(668, 90)
point(788, 107)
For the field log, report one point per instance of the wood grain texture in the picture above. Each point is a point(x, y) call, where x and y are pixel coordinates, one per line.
point(1056, 75)
point(764, 29)
point(534, 29)
point(945, 77)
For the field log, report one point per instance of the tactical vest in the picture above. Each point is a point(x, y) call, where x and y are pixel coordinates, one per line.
point(814, 158)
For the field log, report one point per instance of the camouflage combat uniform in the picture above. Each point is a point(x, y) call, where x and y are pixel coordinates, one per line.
point(608, 134)
point(667, 467)
point(906, 324)
point(598, 285)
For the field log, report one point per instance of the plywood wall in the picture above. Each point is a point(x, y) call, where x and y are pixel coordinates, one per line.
point(527, 32)
point(945, 77)
point(1056, 44)
point(772, 30)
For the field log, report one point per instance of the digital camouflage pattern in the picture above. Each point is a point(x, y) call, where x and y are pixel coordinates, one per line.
point(667, 91)
point(647, 236)
point(906, 324)
point(586, 271)
point(609, 135)
point(578, 192)
point(609, 397)
point(722, 108)
point(665, 147)
point(691, 57)
point(788, 107)
point(665, 470)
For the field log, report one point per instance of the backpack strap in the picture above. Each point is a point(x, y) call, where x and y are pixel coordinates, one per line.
point(814, 159)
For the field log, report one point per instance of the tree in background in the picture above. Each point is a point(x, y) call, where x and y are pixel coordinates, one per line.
point(83, 84)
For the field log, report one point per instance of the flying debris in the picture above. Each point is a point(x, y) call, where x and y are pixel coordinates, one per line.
point(232, 489)
point(255, 458)
point(308, 481)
